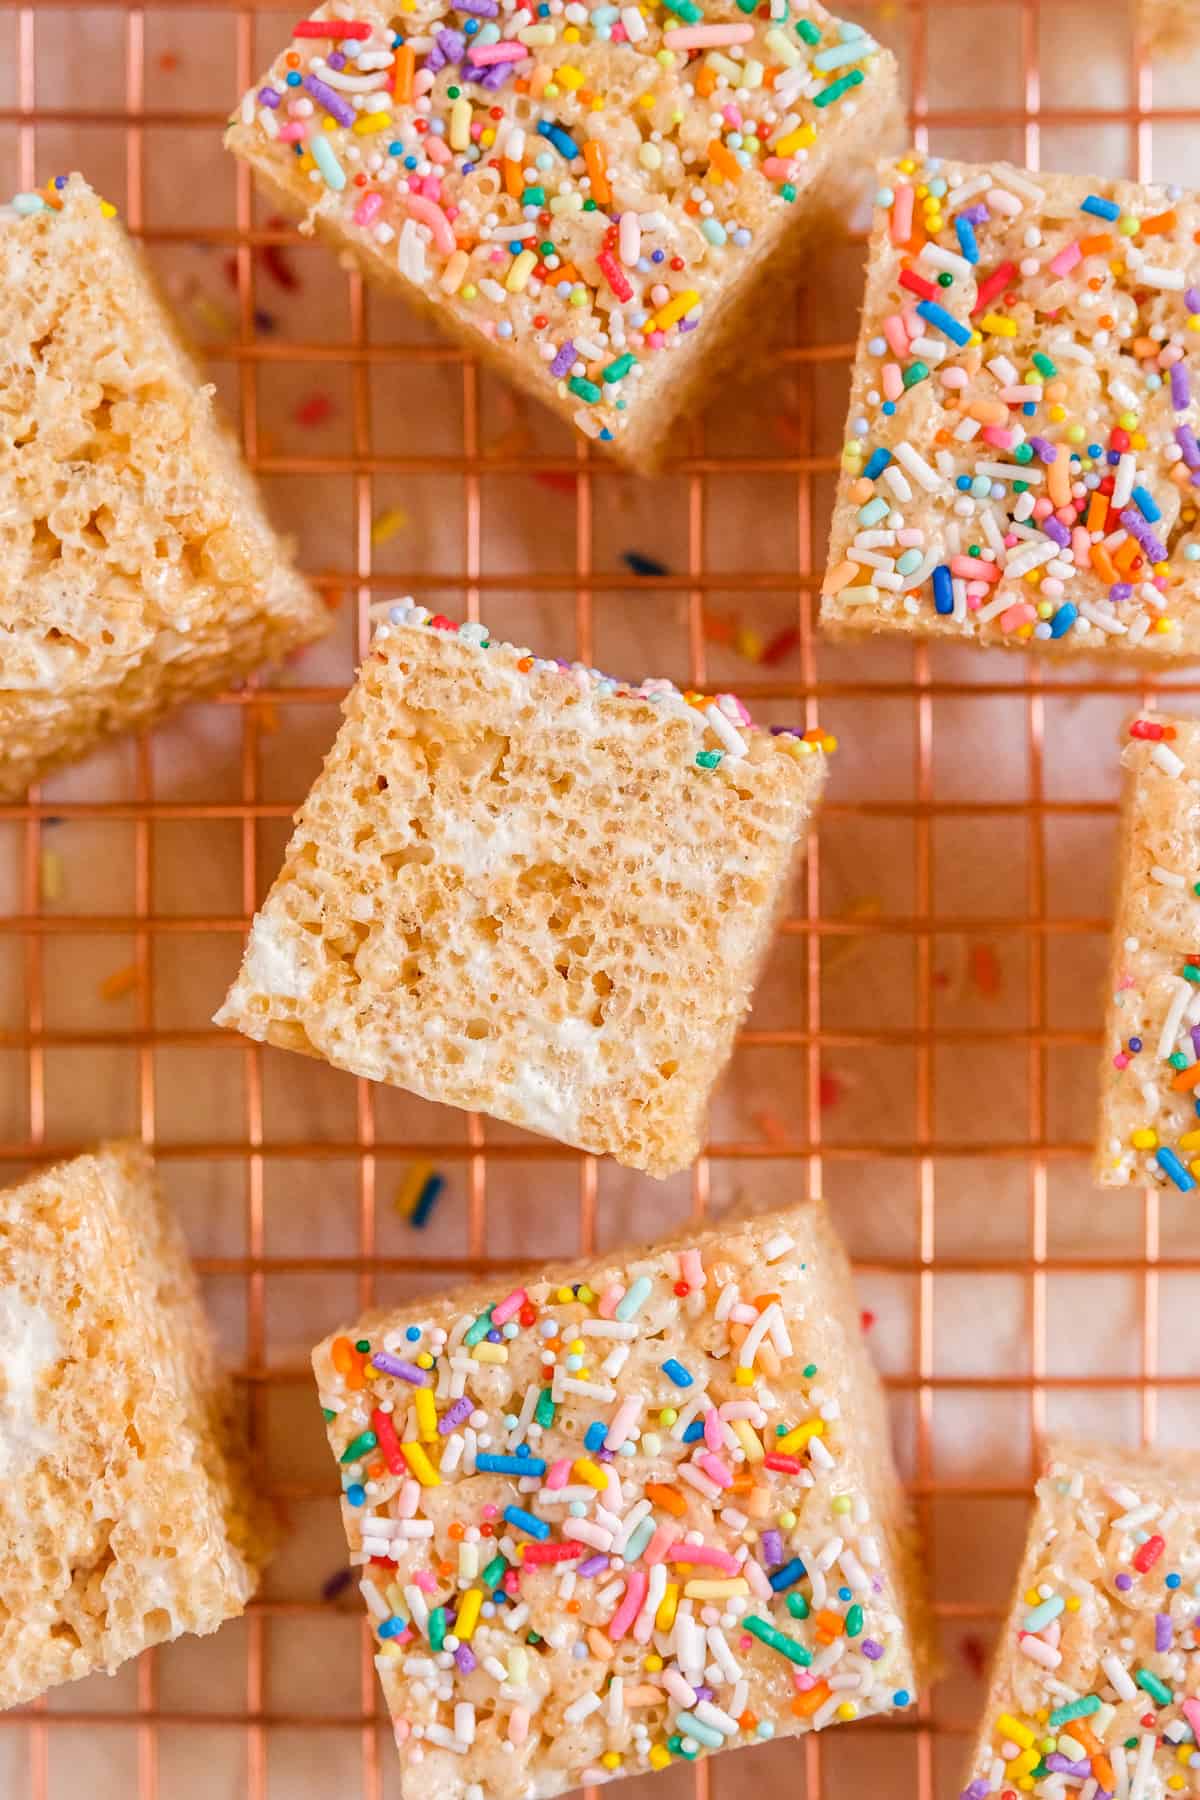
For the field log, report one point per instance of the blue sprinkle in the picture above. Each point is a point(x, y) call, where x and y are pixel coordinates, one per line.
point(356, 1493)
point(1147, 504)
point(426, 1200)
point(562, 140)
point(1173, 1581)
point(1063, 620)
point(594, 1436)
point(965, 233)
point(1102, 209)
point(642, 564)
point(1170, 1165)
point(901, 1697)
point(523, 1521)
point(943, 589)
point(694, 1431)
point(509, 1465)
point(390, 1628)
point(945, 322)
point(678, 1374)
point(877, 462)
point(788, 1576)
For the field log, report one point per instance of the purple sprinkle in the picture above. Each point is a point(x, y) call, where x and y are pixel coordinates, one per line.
point(562, 362)
point(334, 105)
point(482, 9)
point(268, 97)
point(465, 1659)
point(452, 44)
point(978, 1790)
point(1123, 1583)
point(1185, 437)
point(493, 79)
point(1047, 452)
point(704, 1693)
point(1062, 1765)
point(454, 1415)
point(1054, 528)
point(772, 1544)
point(975, 215)
point(605, 1456)
point(435, 62)
point(403, 1371)
point(1164, 1631)
point(1180, 391)
point(871, 1650)
point(1138, 528)
point(688, 324)
point(336, 1584)
point(1192, 300)
point(1195, 1033)
point(1120, 590)
point(336, 61)
point(595, 1565)
point(786, 730)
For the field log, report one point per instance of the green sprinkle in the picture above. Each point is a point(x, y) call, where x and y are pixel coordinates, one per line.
point(788, 190)
point(1020, 487)
point(1196, 890)
point(708, 759)
point(476, 1333)
point(1149, 1683)
point(747, 6)
point(533, 1639)
point(854, 1621)
point(453, 92)
point(766, 1633)
point(1074, 1709)
point(685, 9)
point(1191, 972)
point(1023, 453)
point(357, 1448)
point(1131, 1743)
point(363, 1345)
point(493, 1574)
point(675, 1746)
point(437, 1628)
point(836, 89)
point(547, 249)
point(622, 366)
point(1043, 365)
point(534, 196)
point(808, 31)
point(915, 372)
point(327, 1414)
point(543, 1412)
point(1178, 1060)
point(589, 206)
point(945, 279)
point(809, 1371)
point(586, 390)
point(798, 1606)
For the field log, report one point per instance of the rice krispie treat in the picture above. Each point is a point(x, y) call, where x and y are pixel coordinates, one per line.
point(601, 200)
point(1150, 1076)
point(612, 1517)
point(1169, 27)
point(1093, 1689)
point(126, 1516)
point(1022, 466)
point(522, 888)
point(137, 568)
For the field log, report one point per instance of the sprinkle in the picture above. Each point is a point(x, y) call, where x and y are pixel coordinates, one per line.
point(787, 1646)
point(327, 162)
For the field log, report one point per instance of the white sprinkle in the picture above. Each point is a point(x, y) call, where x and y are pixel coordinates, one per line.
point(918, 468)
point(1165, 759)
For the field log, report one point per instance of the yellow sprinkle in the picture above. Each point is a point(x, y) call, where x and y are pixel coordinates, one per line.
point(675, 309)
point(1022, 1766)
point(427, 1418)
point(748, 1439)
point(611, 1760)
point(1032, 1597)
point(51, 875)
point(847, 1710)
point(1073, 1603)
point(468, 1613)
point(653, 1664)
point(800, 139)
point(590, 1472)
point(568, 76)
point(664, 1618)
point(716, 1590)
point(460, 124)
point(1008, 1727)
point(452, 274)
point(744, 1377)
point(386, 526)
point(660, 1758)
point(419, 1463)
point(1145, 1139)
point(997, 325)
point(799, 1435)
point(369, 122)
point(424, 1361)
point(490, 1353)
point(409, 1191)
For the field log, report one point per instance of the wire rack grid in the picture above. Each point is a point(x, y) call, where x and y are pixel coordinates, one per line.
point(924, 1043)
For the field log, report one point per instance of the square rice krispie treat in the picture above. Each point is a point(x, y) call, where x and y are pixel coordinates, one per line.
point(611, 1517)
point(1093, 1689)
point(520, 887)
point(1169, 27)
point(1150, 1075)
point(137, 568)
point(1021, 465)
point(126, 1516)
point(601, 200)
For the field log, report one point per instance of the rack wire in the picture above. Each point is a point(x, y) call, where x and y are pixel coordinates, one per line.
point(923, 1049)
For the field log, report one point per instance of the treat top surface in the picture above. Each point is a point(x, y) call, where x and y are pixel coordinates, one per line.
point(615, 1523)
point(1094, 1694)
point(1152, 1075)
point(29, 1347)
point(574, 181)
point(1022, 461)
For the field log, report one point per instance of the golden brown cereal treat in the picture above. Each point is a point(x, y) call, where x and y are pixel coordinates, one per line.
point(1092, 1689)
point(615, 1515)
point(602, 200)
point(137, 568)
point(1169, 27)
point(520, 888)
point(126, 1515)
point(1021, 463)
point(1149, 1129)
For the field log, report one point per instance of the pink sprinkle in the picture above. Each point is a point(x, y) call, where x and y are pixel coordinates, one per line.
point(894, 332)
point(902, 213)
point(709, 1554)
point(484, 55)
point(1120, 1061)
point(1016, 616)
point(893, 381)
point(996, 434)
point(437, 149)
point(293, 134)
point(974, 568)
point(656, 1550)
point(424, 1579)
point(558, 1473)
point(775, 168)
point(606, 1306)
point(714, 1437)
point(508, 1309)
point(716, 1469)
point(690, 1266)
point(1043, 508)
point(1191, 1712)
point(489, 1511)
point(627, 1612)
point(367, 208)
point(1065, 261)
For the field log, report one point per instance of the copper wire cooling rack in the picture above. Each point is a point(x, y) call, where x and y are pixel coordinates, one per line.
point(923, 1047)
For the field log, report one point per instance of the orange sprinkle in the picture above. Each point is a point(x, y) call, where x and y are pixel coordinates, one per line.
point(1101, 561)
point(1186, 1078)
point(1098, 245)
point(811, 1701)
point(829, 1624)
point(1161, 222)
point(722, 160)
point(402, 80)
point(593, 156)
point(669, 1498)
point(514, 180)
point(348, 1362)
point(1128, 557)
point(706, 81)
point(120, 982)
point(748, 1721)
point(1097, 511)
